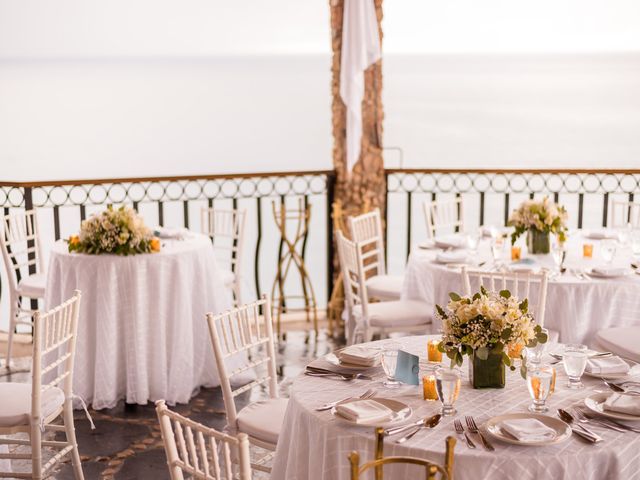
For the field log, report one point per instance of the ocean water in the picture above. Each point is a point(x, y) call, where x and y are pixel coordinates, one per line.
point(97, 118)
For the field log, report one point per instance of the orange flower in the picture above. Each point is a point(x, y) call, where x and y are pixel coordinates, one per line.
point(74, 240)
point(155, 244)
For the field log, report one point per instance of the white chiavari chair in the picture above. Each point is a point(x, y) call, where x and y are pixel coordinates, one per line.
point(532, 286)
point(365, 318)
point(201, 452)
point(226, 229)
point(366, 229)
point(624, 214)
point(21, 251)
point(444, 216)
point(32, 408)
point(247, 332)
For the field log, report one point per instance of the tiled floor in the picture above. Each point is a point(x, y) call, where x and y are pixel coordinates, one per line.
point(126, 443)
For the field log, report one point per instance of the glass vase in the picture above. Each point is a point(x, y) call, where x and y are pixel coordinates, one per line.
point(538, 242)
point(489, 373)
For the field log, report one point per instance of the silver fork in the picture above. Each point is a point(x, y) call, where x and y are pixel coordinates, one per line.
point(582, 418)
point(327, 406)
point(460, 431)
point(473, 428)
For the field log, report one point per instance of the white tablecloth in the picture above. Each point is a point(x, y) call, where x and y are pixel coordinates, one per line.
point(576, 308)
point(315, 445)
point(142, 333)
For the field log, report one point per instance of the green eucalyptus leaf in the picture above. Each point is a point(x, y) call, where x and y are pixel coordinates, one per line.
point(506, 359)
point(454, 296)
point(505, 293)
point(542, 337)
point(483, 290)
point(440, 311)
point(482, 353)
point(524, 305)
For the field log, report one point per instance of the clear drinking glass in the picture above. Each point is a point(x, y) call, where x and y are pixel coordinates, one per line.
point(558, 253)
point(539, 383)
point(635, 244)
point(448, 388)
point(575, 361)
point(497, 245)
point(473, 241)
point(534, 354)
point(389, 363)
point(608, 248)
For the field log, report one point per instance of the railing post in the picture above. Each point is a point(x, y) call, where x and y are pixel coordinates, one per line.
point(331, 190)
point(28, 205)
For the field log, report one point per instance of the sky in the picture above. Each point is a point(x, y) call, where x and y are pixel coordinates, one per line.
point(90, 28)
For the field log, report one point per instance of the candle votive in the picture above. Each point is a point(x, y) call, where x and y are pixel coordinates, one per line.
point(516, 253)
point(429, 391)
point(433, 354)
point(587, 250)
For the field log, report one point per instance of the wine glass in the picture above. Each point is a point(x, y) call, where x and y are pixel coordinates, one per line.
point(448, 388)
point(558, 253)
point(608, 248)
point(539, 383)
point(473, 241)
point(389, 363)
point(534, 354)
point(575, 361)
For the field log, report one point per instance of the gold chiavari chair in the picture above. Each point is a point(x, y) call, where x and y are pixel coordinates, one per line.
point(431, 469)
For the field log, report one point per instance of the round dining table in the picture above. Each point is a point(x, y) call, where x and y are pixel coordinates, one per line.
point(578, 304)
point(315, 445)
point(142, 331)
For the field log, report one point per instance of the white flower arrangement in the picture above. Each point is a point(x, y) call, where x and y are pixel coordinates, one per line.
point(119, 232)
point(544, 216)
point(487, 323)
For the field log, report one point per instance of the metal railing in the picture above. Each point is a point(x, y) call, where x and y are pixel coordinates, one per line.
point(489, 197)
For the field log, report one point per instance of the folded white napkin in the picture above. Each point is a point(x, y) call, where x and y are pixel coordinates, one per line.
point(171, 233)
point(524, 267)
point(456, 256)
point(528, 429)
point(359, 355)
point(363, 411)
point(601, 234)
point(621, 403)
point(606, 365)
point(610, 271)
point(451, 241)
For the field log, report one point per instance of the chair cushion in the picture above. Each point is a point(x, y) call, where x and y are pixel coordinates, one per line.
point(33, 285)
point(15, 408)
point(228, 277)
point(385, 287)
point(400, 313)
point(623, 341)
point(263, 419)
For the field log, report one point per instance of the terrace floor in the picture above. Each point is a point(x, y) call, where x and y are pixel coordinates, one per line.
point(126, 443)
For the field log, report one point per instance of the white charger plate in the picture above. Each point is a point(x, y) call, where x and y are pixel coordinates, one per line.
point(563, 431)
point(595, 274)
point(596, 401)
point(401, 411)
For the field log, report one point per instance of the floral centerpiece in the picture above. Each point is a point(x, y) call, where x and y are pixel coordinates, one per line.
point(120, 232)
point(539, 219)
point(486, 327)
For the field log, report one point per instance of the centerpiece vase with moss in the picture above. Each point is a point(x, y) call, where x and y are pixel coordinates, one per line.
point(539, 219)
point(538, 242)
point(490, 328)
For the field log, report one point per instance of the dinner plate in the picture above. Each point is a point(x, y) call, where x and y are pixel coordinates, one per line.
point(592, 273)
point(428, 245)
point(559, 350)
point(333, 359)
point(596, 401)
point(401, 411)
point(563, 431)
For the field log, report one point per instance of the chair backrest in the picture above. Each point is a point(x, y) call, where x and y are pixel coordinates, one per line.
point(625, 213)
point(226, 229)
point(355, 291)
point(444, 215)
point(366, 230)
point(518, 283)
point(54, 349)
point(244, 332)
point(431, 469)
point(201, 452)
point(20, 244)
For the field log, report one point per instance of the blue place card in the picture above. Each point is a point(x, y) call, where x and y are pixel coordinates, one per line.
point(408, 368)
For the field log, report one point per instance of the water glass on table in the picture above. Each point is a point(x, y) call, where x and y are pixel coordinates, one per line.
point(389, 363)
point(448, 388)
point(473, 241)
point(540, 382)
point(534, 354)
point(608, 249)
point(497, 245)
point(575, 361)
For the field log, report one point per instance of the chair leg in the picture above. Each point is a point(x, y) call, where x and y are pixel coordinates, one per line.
point(70, 431)
point(35, 438)
point(12, 326)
